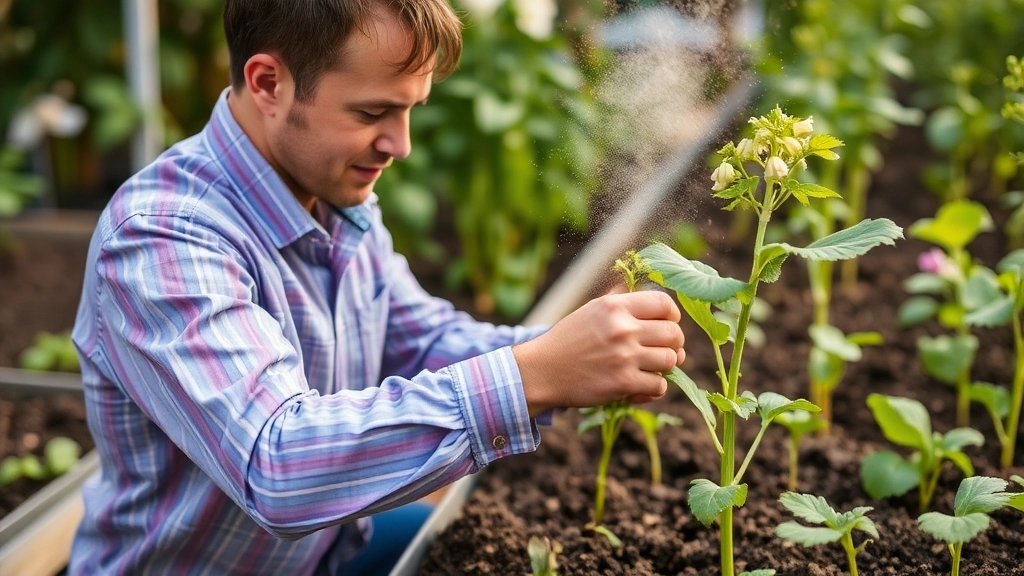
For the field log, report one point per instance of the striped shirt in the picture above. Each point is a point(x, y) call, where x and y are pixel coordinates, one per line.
point(259, 379)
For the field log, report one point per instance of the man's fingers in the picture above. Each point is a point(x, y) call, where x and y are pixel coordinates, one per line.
point(657, 359)
point(649, 385)
point(681, 355)
point(660, 333)
point(652, 305)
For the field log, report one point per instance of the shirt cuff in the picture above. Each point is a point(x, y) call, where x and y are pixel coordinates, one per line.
point(490, 392)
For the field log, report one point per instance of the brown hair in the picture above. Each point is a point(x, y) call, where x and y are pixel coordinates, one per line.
point(308, 35)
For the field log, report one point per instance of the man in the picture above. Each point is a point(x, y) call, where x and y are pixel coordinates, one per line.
point(262, 372)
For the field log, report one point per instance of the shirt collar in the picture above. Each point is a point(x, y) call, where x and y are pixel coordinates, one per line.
point(260, 187)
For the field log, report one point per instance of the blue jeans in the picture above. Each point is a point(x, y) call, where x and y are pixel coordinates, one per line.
point(392, 532)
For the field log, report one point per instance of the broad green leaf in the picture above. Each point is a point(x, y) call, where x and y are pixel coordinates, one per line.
point(807, 535)
point(591, 421)
point(770, 405)
point(811, 508)
point(995, 313)
point(904, 421)
point(955, 225)
point(995, 399)
point(698, 397)
point(865, 524)
point(700, 312)
point(741, 187)
point(842, 245)
point(957, 438)
point(981, 289)
point(772, 269)
point(822, 144)
point(953, 529)
point(980, 494)
point(1017, 499)
point(708, 500)
point(832, 340)
point(925, 283)
point(811, 190)
point(61, 454)
point(1012, 262)
point(962, 461)
point(885, 474)
point(947, 357)
point(743, 406)
point(689, 277)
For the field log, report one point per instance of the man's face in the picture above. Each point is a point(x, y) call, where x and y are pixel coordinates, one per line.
point(335, 146)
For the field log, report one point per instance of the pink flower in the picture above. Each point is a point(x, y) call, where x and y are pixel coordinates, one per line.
point(936, 262)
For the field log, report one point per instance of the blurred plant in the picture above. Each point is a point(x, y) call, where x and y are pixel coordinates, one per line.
point(906, 422)
point(515, 169)
point(950, 285)
point(778, 149)
point(835, 527)
point(957, 49)
point(651, 424)
point(16, 187)
point(609, 419)
point(798, 423)
point(51, 352)
point(975, 499)
point(838, 64)
point(543, 556)
point(59, 455)
point(1008, 307)
point(1013, 109)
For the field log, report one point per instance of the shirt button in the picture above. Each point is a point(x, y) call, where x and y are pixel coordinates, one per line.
point(499, 442)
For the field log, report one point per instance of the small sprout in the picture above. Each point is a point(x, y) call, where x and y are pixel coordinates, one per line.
point(32, 468)
point(61, 454)
point(10, 470)
point(543, 556)
point(906, 422)
point(976, 497)
point(651, 423)
point(836, 527)
point(798, 423)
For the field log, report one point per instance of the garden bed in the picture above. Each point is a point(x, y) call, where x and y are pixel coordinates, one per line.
point(550, 493)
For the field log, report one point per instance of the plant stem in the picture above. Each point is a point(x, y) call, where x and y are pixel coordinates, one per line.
point(851, 552)
point(655, 454)
point(750, 453)
point(1006, 459)
point(609, 432)
point(955, 550)
point(794, 455)
point(963, 390)
point(856, 191)
point(928, 488)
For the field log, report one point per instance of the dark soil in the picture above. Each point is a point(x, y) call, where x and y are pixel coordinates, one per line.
point(550, 493)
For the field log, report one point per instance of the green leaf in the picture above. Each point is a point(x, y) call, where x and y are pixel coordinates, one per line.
point(884, 474)
point(981, 288)
point(701, 314)
point(995, 399)
point(812, 190)
point(953, 529)
point(845, 244)
point(772, 269)
point(957, 438)
point(10, 470)
point(612, 538)
point(995, 313)
point(947, 357)
point(980, 494)
point(698, 397)
point(800, 422)
point(866, 338)
point(821, 145)
point(825, 370)
point(708, 500)
point(61, 454)
point(832, 340)
point(807, 535)
point(960, 459)
point(955, 225)
point(813, 509)
point(758, 572)
point(1012, 262)
point(770, 405)
point(741, 187)
point(926, 283)
point(1017, 499)
point(692, 278)
point(904, 421)
point(493, 115)
point(591, 421)
point(744, 406)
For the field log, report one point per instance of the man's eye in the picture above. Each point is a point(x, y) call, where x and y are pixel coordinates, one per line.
point(371, 115)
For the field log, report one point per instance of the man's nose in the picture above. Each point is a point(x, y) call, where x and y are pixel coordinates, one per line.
point(395, 140)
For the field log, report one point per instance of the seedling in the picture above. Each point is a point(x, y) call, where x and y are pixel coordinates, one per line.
point(51, 352)
point(651, 423)
point(798, 423)
point(975, 499)
point(1007, 308)
point(777, 150)
point(543, 556)
point(60, 454)
point(831, 350)
point(950, 285)
point(906, 422)
point(609, 418)
point(835, 527)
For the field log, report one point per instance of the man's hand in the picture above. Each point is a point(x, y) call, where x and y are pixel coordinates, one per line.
point(613, 347)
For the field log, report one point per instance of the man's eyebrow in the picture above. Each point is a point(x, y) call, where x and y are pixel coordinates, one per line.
point(386, 104)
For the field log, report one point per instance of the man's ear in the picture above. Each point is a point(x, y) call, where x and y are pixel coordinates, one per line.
point(268, 82)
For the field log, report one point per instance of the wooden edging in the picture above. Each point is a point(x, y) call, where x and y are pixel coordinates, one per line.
point(574, 284)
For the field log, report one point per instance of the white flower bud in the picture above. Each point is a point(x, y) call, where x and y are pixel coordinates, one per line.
point(746, 150)
point(792, 146)
point(775, 168)
point(803, 127)
point(724, 175)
